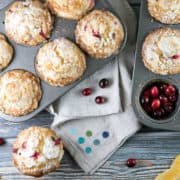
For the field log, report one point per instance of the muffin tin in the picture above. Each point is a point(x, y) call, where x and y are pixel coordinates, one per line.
point(24, 58)
point(142, 76)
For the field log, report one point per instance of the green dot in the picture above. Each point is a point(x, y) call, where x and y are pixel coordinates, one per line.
point(88, 150)
point(89, 133)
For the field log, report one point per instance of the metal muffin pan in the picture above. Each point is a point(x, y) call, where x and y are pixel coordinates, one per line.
point(24, 58)
point(142, 76)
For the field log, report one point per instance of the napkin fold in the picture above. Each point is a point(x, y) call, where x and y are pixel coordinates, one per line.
point(91, 132)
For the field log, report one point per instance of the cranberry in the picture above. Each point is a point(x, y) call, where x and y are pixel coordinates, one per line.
point(159, 113)
point(41, 33)
point(146, 93)
point(147, 108)
point(176, 56)
point(170, 90)
point(172, 98)
point(15, 150)
point(168, 108)
point(100, 99)
point(163, 99)
point(131, 162)
point(87, 91)
point(2, 141)
point(24, 145)
point(154, 91)
point(35, 155)
point(56, 141)
point(103, 83)
point(145, 100)
point(163, 87)
point(156, 103)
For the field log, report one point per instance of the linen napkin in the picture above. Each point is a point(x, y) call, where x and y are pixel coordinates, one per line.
point(91, 132)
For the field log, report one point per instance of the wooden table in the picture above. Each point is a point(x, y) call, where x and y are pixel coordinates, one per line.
point(160, 147)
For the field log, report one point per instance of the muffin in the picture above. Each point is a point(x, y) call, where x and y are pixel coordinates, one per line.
point(37, 151)
point(20, 92)
point(99, 34)
point(70, 9)
point(165, 11)
point(161, 51)
point(60, 62)
point(28, 22)
point(6, 52)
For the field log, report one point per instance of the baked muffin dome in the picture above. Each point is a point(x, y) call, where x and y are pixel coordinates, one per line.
point(161, 51)
point(60, 62)
point(6, 52)
point(28, 22)
point(70, 9)
point(100, 34)
point(20, 92)
point(37, 151)
point(165, 11)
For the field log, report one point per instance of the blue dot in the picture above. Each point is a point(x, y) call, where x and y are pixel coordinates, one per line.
point(81, 140)
point(88, 150)
point(96, 142)
point(105, 134)
point(73, 131)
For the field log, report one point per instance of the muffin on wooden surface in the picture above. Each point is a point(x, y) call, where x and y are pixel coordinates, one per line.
point(100, 34)
point(165, 11)
point(70, 9)
point(60, 62)
point(37, 151)
point(28, 22)
point(161, 51)
point(20, 92)
point(6, 52)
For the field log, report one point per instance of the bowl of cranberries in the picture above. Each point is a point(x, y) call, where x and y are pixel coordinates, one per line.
point(159, 99)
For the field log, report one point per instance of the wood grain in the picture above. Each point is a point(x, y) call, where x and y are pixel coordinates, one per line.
point(159, 147)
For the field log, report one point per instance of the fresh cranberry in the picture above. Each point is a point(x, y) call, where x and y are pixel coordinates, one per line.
point(103, 83)
point(131, 162)
point(170, 90)
point(146, 93)
point(15, 150)
point(176, 56)
point(145, 100)
point(147, 108)
point(100, 99)
point(87, 91)
point(2, 141)
point(168, 108)
point(159, 113)
point(154, 91)
point(163, 99)
point(163, 87)
point(156, 103)
point(172, 98)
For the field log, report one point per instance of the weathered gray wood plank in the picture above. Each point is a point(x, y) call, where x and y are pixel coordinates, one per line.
point(160, 147)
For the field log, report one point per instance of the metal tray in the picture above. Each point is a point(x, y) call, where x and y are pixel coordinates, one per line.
point(24, 58)
point(142, 76)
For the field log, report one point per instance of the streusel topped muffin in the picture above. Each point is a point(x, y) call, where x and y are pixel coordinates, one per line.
point(100, 34)
point(37, 151)
point(161, 51)
point(6, 52)
point(28, 22)
point(70, 9)
point(165, 11)
point(20, 92)
point(60, 62)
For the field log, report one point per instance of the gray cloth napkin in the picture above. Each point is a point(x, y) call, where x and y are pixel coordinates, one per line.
point(91, 132)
